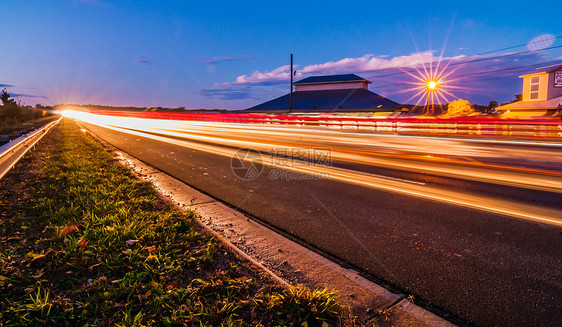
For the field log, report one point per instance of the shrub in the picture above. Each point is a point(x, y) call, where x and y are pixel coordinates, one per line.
point(459, 107)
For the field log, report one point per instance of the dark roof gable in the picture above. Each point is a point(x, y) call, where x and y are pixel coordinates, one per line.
point(542, 70)
point(329, 101)
point(346, 78)
point(551, 68)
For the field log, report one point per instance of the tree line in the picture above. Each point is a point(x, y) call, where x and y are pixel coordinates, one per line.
point(13, 113)
point(17, 111)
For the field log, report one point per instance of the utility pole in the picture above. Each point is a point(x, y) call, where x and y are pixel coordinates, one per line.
point(291, 94)
point(426, 104)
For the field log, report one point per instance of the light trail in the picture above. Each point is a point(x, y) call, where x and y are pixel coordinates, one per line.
point(339, 145)
point(305, 132)
point(447, 168)
point(180, 133)
point(333, 138)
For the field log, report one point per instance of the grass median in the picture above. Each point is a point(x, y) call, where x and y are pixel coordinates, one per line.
point(85, 243)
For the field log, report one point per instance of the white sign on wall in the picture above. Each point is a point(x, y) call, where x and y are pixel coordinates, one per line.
point(558, 78)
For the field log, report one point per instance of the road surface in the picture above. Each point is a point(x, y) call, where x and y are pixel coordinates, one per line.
point(469, 227)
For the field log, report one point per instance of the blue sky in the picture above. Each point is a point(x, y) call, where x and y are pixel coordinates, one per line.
point(233, 54)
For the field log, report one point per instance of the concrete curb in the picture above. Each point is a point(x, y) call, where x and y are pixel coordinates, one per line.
point(265, 249)
point(284, 260)
point(236, 251)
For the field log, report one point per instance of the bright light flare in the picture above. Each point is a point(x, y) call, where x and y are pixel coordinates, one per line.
point(432, 85)
point(69, 113)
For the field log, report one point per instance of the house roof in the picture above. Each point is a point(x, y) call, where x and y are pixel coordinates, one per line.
point(329, 79)
point(554, 103)
point(330, 101)
point(542, 70)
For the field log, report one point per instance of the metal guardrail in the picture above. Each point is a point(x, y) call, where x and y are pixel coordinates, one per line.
point(11, 153)
point(454, 126)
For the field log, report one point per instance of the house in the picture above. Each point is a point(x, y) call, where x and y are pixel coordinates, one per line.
point(331, 93)
point(542, 94)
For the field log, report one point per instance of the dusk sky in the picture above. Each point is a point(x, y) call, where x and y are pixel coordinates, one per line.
point(234, 54)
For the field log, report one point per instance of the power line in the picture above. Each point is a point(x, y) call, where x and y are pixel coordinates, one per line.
point(470, 61)
point(484, 72)
point(513, 47)
point(505, 69)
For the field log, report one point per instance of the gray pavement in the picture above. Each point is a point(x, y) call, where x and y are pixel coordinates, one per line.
point(473, 266)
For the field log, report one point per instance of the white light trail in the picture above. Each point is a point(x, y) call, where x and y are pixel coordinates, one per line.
point(190, 134)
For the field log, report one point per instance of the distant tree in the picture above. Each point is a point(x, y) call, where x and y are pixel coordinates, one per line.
point(6, 100)
point(10, 107)
point(519, 97)
point(492, 104)
point(459, 107)
point(20, 103)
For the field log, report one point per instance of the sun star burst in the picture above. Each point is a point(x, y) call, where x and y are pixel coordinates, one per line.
point(432, 84)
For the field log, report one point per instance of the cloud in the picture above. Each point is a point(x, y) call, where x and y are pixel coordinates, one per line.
point(216, 60)
point(21, 95)
point(274, 76)
point(478, 78)
point(226, 94)
point(366, 63)
point(6, 85)
point(142, 60)
point(541, 42)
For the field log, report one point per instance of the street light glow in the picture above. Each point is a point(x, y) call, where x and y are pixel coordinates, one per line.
point(432, 85)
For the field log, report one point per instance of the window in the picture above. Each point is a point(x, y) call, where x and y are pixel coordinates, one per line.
point(535, 83)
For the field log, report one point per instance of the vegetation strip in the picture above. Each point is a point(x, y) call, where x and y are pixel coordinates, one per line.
point(83, 242)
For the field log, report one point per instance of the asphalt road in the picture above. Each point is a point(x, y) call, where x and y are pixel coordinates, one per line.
point(484, 267)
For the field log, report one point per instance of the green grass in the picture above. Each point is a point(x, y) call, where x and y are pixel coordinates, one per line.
point(85, 243)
